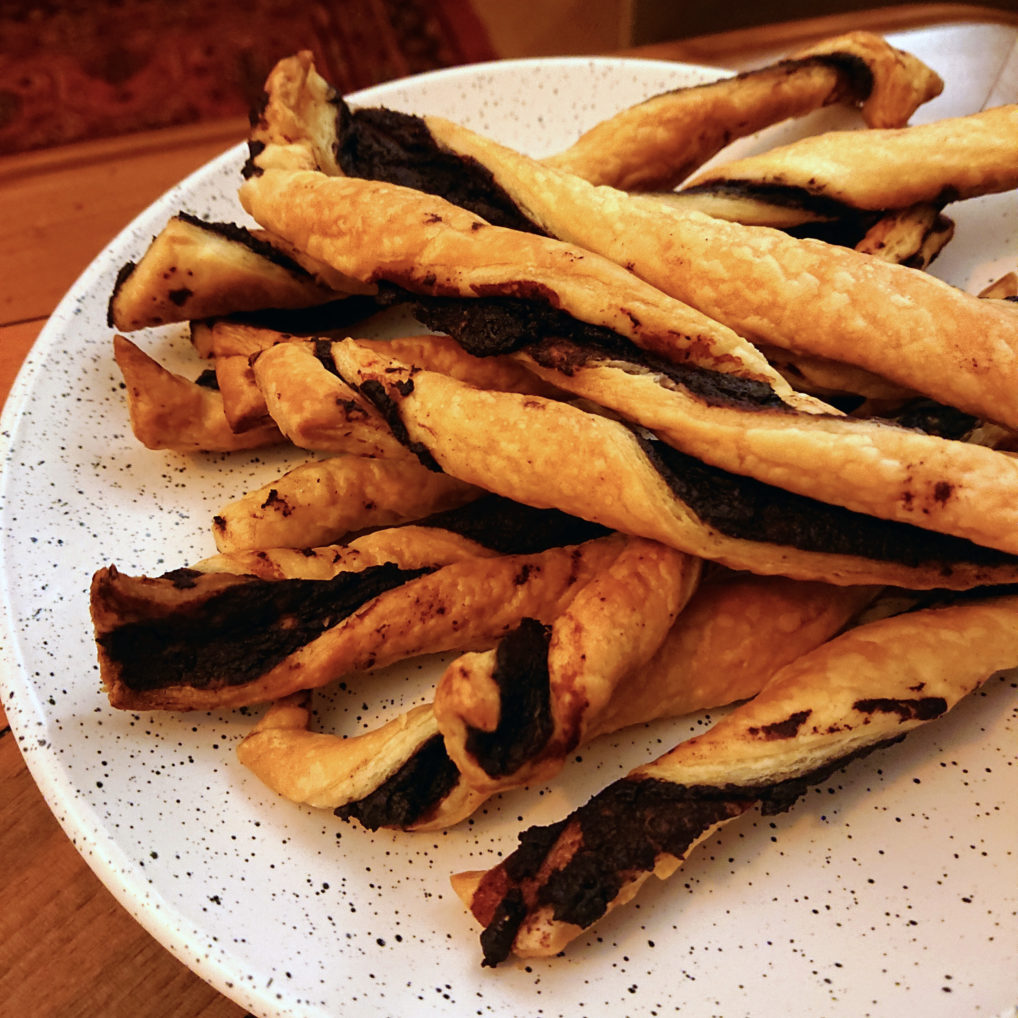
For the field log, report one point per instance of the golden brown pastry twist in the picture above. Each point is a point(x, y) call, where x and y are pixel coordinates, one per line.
point(656, 144)
point(192, 640)
point(895, 321)
point(168, 411)
point(652, 145)
point(875, 469)
point(864, 689)
point(731, 636)
point(961, 157)
point(869, 466)
point(195, 269)
point(322, 501)
point(380, 231)
point(512, 714)
point(547, 453)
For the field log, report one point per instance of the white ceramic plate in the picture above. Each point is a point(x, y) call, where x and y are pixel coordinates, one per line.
point(892, 885)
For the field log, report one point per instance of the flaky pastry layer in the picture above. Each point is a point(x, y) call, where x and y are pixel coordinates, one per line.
point(168, 411)
point(546, 453)
point(375, 231)
point(895, 321)
point(197, 641)
point(321, 501)
point(865, 688)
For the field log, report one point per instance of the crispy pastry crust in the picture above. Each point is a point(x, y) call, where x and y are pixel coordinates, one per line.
point(960, 157)
point(657, 143)
point(611, 629)
point(375, 231)
point(327, 771)
point(736, 631)
point(314, 408)
point(865, 688)
point(321, 501)
point(195, 269)
point(349, 772)
point(295, 124)
point(731, 636)
point(803, 295)
point(912, 236)
point(261, 644)
point(411, 546)
point(870, 466)
point(168, 411)
point(546, 453)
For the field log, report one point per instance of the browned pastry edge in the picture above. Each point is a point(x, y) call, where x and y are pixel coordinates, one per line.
point(200, 641)
point(864, 689)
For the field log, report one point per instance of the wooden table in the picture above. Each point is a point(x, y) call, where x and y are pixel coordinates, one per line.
point(67, 948)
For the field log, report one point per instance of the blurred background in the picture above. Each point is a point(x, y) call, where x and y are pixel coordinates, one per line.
point(74, 70)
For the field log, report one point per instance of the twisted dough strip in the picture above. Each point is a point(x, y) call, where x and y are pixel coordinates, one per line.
point(861, 690)
point(315, 409)
point(587, 676)
point(912, 236)
point(320, 502)
point(382, 231)
point(731, 636)
point(512, 715)
point(652, 145)
point(959, 157)
point(547, 453)
point(397, 776)
point(199, 641)
point(805, 295)
point(168, 411)
point(873, 468)
point(656, 144)
point(412, 546)
point(261, 384)
point(869, 467)
point(195, 269)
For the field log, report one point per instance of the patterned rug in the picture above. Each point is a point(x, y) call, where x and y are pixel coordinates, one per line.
point(77, 69)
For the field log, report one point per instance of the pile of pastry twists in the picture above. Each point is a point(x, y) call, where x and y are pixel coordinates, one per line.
point(659, 438)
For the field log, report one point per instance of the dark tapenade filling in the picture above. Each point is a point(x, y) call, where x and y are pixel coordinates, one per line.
point(488, 326)
point(376, 394)
point(236, 635)
point(334, 315)
point(935, 419)
point(208, 379)
point(743, 507)
point(381, 144)
point(623, 830)
point(411, 793)
point(244, 237)
point(525, 723)
point(511, 528)
point(714, 388)
point(784, 196)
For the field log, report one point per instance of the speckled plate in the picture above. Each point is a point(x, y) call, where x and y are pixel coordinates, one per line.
point(891, 887)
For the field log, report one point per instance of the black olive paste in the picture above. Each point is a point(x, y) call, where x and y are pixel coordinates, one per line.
point(238, 633)
point(622, 831)
point(410, 794)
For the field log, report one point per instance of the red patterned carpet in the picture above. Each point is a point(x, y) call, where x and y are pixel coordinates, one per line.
point(82, 69)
